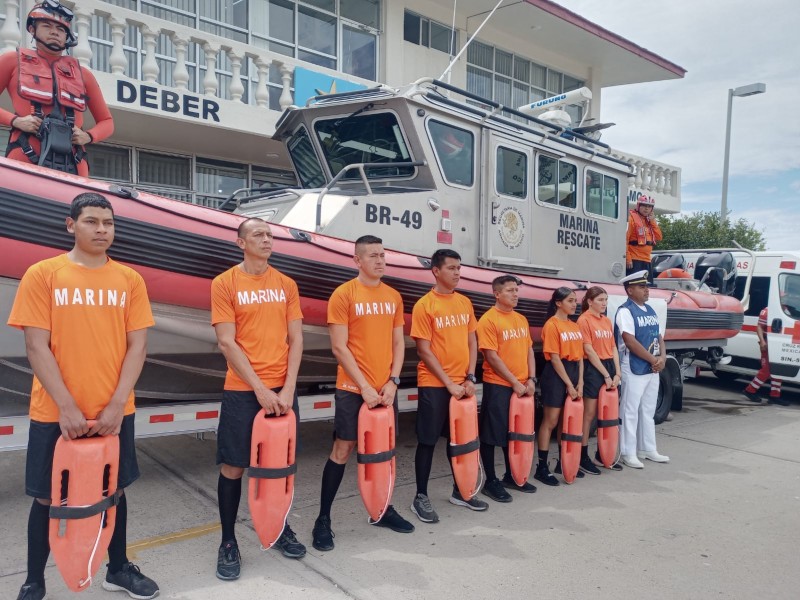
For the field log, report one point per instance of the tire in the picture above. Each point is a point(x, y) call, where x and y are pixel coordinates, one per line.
point(727, 376)
point(670, 390)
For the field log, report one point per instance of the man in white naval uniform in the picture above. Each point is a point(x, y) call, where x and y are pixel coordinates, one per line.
point(641, 359)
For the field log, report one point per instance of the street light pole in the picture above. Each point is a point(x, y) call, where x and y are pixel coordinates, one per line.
point(741, 92)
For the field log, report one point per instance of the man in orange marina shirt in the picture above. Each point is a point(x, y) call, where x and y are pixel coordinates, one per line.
point(365, 321)
point(85, 320)
point(443, 325)
point(509, 367)
point(255, 310)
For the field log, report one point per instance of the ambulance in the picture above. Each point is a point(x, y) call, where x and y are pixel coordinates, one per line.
point(768, 279)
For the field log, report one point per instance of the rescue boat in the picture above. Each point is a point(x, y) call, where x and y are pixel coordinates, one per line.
point(412, 166)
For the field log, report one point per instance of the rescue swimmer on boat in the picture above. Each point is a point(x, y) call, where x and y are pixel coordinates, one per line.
point(50, 92)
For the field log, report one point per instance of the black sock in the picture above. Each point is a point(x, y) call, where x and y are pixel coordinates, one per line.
point(38, 541)
point(331, 479)
point(508, 464)
point(584, 453)
point(229, 493)
point(487, 456)
point(423, 461)
point(117, 548)
point(543, 458)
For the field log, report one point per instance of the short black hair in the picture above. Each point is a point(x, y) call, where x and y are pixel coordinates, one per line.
point(242, 230)
point(81, 201)
point(438, 258)
point(365, 240)
point(499, 282)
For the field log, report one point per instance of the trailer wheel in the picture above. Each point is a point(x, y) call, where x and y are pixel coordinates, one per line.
point(726, 376)
point(670, 390)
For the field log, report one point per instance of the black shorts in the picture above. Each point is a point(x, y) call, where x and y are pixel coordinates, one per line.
point(593, 379)
point(554, 392)
point(493, 418)
point(433, 415)
point(235, 428)
point(345, 419)
point(42, 438)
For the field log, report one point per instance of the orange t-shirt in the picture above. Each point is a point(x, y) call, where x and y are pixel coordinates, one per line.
point(371, 315)
point(445, 320)
point(598, 331)
point(508, 334)
point(89, 313)
point(562, 337)
point(261, 307)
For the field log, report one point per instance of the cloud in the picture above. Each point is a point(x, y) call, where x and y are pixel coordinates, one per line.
point(682, 122)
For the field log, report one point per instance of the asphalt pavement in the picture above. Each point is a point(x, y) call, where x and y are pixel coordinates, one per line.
point(721, 520)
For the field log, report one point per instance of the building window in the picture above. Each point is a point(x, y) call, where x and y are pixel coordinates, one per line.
point(455, 152)
point(426, 32)
point(602, 194)
point(512, 173)
point(514, 80)
point(558, 182)
point(215, 180)
point(164, 170)
point(109, 162)
point(337, 34)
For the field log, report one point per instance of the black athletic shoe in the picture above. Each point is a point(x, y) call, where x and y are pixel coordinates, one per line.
point(473, 503)
point(752, 396)
point(392, 519)
point(544, 475)
point(587, 466)
point(229, 561)
point(130, 579)
point(779, 401)
point(557, 471)
point(494, 489)
point(614, 467)
point(32, 591)
point(289, 545)
point(322, 535)
point(509, 483)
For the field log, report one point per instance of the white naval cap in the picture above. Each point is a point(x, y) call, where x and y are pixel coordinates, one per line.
point(634, 279)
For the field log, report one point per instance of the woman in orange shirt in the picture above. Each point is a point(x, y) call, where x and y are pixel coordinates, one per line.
point(563, 374)
point(600, 364)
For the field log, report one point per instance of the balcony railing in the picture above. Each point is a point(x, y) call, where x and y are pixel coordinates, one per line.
point(137, 36)
point(656, 179)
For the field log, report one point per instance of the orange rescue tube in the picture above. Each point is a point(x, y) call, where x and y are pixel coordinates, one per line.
point(608, 426)
point(270, 488)
point(376, 458)
point(520, 437)
point(83, 510)
point(465, 445)
point(571, 438)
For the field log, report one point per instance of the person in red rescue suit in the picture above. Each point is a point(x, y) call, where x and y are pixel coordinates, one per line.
point(33, 77)
point(643, 234)
point(763, 375)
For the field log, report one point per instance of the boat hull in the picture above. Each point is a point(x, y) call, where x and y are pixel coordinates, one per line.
point(179, 248)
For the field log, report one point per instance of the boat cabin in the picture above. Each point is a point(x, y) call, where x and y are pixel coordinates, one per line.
point(423, 169)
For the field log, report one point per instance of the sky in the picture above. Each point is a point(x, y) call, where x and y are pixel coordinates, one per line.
point(722, 44)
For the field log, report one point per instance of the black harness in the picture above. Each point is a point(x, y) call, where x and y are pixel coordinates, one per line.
point(55, 133)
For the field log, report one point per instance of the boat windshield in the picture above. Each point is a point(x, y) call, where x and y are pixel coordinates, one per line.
point(370, 138)
point(309, 171)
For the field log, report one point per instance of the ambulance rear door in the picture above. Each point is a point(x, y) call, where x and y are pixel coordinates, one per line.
point(784, 321)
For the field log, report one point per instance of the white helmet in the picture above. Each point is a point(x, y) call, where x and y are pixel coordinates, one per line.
point(646, 200)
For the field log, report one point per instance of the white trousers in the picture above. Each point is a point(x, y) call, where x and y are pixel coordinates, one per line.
point(636, 409)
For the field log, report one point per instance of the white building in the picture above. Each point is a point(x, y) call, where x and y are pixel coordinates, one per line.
point(196, 86)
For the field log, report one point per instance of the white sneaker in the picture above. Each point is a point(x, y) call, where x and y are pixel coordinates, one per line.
point(632, 462)
point(654, 456)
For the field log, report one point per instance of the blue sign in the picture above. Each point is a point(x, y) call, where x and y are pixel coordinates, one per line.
point(308, 84)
